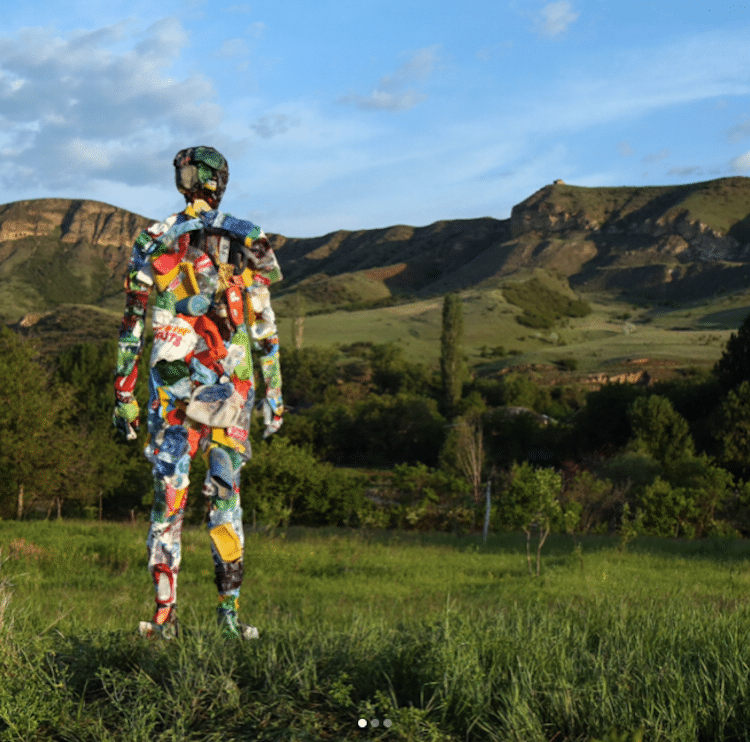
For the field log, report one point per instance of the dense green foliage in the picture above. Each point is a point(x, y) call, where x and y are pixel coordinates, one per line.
point(40, 435)
point(446, 637)
point(671, 458)
point(452, 369)
point(734, 365)
point(542, 307)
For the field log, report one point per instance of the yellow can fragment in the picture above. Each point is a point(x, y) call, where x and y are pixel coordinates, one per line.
point(227, 542)
point(164, 279)
point(219, 435)
point(189, 282)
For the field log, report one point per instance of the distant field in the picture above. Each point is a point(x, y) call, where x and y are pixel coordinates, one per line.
point(446, 638)
point(728, 319)
point(690, 335)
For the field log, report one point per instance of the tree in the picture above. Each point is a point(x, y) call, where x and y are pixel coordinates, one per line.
point(431, 499)
point(733, 431)
point(308, 373)
point(667, 510)
point(532, 500)
point(470, 452)
point(590, 503)
point(42, 455)
point(452, 369)
point(660, 431)
point(120, 475)
point(298, 320)
point(603, 422)
point(734, 365)
point(395, 429)
point(392, 373)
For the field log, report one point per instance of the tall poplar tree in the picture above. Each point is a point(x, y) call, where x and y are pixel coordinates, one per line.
point(452, 369)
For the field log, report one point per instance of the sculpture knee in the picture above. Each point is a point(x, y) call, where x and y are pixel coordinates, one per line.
point(228, 576)
point(222, 478)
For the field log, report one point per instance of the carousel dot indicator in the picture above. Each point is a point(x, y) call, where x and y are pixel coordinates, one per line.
point(362, 723)
point(387, 723)
point(374, 723)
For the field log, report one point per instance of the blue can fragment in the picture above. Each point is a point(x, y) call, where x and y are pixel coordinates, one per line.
point(221, 470)
point(193, 306)
point(174, 447)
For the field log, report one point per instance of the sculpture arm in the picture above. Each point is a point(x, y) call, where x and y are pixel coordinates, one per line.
point(138, 284)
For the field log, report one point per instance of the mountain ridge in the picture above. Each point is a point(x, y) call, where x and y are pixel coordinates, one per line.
point(668, 242)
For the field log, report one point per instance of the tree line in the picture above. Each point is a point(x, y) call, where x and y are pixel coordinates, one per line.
point(373, 439)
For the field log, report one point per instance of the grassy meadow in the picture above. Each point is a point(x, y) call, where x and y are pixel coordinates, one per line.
point(615, 331)
point(437, 637)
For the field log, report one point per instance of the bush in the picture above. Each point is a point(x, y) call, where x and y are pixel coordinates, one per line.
point(380, 430)
point(287, 485)
point(598, 502)
point(542, 307)
point(424, 499)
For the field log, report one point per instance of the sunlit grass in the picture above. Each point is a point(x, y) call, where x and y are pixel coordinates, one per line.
point(448, 638)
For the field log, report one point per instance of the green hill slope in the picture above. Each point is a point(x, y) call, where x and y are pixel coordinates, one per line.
point(631, 249)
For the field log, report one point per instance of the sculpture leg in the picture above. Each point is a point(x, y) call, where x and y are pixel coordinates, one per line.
point(171, 459)
point(222, 490)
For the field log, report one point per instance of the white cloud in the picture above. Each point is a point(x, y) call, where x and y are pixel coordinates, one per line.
point(555, 18)
point(488, 53)
point(87, 155)
point(98, 104)
point(741, 164)
point(624, 149)
point(686, 172)
point(739, 132)
point(273, 124)
point(256, 30)
point(233, 48)
point(653, 157)
point(393, 92)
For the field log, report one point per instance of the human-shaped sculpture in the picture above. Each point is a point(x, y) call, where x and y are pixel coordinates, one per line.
point(211, 272)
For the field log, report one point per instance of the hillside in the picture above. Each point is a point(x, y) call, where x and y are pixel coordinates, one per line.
point(55, 251)
point(668, 242)
point(642, 245)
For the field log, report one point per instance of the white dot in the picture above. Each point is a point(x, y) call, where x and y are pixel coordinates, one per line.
point(387, 723)
point(362, 723)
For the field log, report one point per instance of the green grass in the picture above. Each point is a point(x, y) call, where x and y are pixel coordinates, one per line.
point(682, 334)
point(446, 637)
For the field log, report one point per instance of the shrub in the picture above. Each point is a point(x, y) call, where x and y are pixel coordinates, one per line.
point(287, 485)
point(542, 307)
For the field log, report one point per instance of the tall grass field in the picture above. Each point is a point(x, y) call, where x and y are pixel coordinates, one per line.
point(377, 636)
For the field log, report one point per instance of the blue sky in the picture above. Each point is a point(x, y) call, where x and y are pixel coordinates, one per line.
point(369, 113)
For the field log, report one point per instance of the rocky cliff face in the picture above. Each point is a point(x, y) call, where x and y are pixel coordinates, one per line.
point(78, 220)
point(541, 213)
point(675, 232)
point(682, 241)
point(55, 251)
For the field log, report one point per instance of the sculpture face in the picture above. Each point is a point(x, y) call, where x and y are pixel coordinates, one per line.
point(201, 172)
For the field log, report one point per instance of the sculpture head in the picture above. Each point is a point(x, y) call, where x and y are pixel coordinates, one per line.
point(201, 173)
